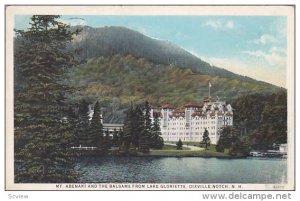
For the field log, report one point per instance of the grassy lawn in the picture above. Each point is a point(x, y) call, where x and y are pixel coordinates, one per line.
point(211, 148)
point(170, 147)
point(197, 144)
point(204, 153)
point(169, 150)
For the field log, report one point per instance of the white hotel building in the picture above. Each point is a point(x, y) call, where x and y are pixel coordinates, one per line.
point(188, 122)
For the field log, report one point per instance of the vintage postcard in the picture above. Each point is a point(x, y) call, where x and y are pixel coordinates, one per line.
point(150, 98)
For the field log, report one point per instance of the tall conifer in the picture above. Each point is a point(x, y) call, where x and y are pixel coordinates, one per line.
point(144, 141)
point(95, 137)
point(40, 107)
point(82, 124)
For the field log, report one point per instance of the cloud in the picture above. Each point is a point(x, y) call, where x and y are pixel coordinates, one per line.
point(74, 21)
point(230, 24)
point(264, 39)
point(256, 70)
point(280, 27)
point(220, 24)
point(274, 57)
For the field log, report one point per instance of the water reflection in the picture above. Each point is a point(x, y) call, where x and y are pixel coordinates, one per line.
point(181, 170)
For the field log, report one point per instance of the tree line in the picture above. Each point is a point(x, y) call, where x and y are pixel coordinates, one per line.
point(88, 131)
point(230, 139)
point(141, 132)
point(262, 118)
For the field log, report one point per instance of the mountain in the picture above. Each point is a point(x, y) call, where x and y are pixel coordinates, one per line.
point(118, 81)
point(123, 67)
point(120, 67)
point(109, 41)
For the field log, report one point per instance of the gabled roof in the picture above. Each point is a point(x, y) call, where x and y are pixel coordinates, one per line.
point(167, 106)
point(207, 99)
point(191, 104)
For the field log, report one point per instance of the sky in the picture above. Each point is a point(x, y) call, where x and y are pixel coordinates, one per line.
point(253, 46)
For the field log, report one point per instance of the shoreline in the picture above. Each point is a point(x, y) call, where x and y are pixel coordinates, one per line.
point(178, 156)
point(151, 155)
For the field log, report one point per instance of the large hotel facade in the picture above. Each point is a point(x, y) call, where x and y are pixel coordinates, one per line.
point(188, 122)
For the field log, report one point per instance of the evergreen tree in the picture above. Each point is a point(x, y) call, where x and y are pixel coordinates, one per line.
point(115, 138)
point(71, 120)
point(128, 128)
point(107, 140)
point(145, 137)
point(40, 107)
point(220, 146)
point(120, 138)
point(244, 146)
point(157, 141)
point(82, 124)
point(228, 136)
point(95, 137)
point(205, 138)
point(179, 145)
point(138, 126)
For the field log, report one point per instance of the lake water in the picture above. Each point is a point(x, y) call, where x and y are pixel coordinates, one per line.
point(181, 170)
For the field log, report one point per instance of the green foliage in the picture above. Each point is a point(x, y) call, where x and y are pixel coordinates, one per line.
point(122, 80)
point(106, 41)
point(245, 145)
point(138, 126)
point(146, 134)
point(120, 138)
point(115, 138)
point(139, 131)
point(179, 145)
point(264, 117)
point(237, 145)
point(157, 142)
point(107, 141)
point(82, 125)
point(228, 137)
point(205, 138)
point(220, 147)
point(95, 135)
point(40, 107)
point(129, 126)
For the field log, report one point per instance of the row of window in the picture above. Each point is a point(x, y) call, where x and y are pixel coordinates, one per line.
point(188, 139)
point(199, 118)
point(193, 133)
point(192, 127)
point(192, 123)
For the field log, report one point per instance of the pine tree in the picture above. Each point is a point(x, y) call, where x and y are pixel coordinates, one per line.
point(205, 138)
point(115, 138)
point(128, 128)
point(137, 126)
point(179, 145)
point(95, 137)
point(120, 138)
point(228, 136)
point(40, 107)
point(157, 141)
point(220, 146)
point(107, 141)
point(145, 137)
point(71, 119)
point(82, 124)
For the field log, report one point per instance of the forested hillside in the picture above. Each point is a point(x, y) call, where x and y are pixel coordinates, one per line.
point(263, 117)
point(118, 81)
point(110, 41)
